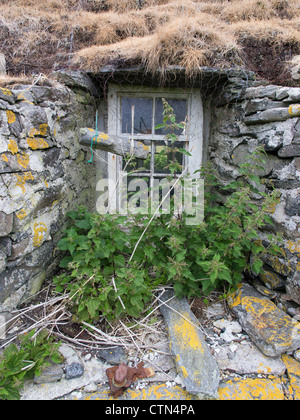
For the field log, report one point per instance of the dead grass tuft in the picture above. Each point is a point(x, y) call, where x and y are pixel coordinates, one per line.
point(45, 36)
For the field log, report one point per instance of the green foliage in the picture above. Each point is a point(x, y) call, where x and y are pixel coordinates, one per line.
point(100, 280)
point(107, 276)
point(18, 363)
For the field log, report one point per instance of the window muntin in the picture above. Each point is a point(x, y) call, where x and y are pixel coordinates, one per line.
point(141, 122)
point(191, 139)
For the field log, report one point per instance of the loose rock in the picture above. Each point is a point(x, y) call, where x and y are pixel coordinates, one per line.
point(74, 370)
point(272, 330)
point(195, 364)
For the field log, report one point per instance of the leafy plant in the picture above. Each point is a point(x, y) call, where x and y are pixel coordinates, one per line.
point(101, 280)
point(18, 363)
point(109, 274)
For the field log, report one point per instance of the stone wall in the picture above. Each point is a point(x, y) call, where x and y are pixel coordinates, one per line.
point(265, 116)
point(44, 170)
point(43, 174)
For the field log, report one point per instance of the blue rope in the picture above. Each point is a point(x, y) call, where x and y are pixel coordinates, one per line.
point(91, 160)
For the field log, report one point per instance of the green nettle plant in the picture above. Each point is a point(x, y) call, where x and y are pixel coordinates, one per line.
point(18, 363)
point(105, 273)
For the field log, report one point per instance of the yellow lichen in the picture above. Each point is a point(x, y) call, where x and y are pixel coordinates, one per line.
point(4, 158)
point(251, 389)
point(21, 179)
point(43, 129)
point(187, 334)
point(23, 159)
point(21, 214)
point(12, 147)
point(39, 229)
point(294, 109)
point(293, 370)
point(11, 118)
point(293, 246)
point(37, 143)
point(102, 136)
point(6, 92)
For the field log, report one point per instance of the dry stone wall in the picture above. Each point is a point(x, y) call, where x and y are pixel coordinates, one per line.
point(44, 171)
point(267, 116)
point(43, 174)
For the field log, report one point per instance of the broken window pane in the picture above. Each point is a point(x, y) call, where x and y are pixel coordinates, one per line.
point(165, 155)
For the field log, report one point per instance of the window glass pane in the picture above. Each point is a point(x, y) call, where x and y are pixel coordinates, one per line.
point(137, 165)
point(142, 115)
point(166, 155)
point(179, 109)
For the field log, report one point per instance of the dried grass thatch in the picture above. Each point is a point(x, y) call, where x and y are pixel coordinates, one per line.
point(257, 34)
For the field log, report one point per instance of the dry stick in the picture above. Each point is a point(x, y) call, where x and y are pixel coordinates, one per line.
point(116, 290)
point(155, 213)
point(24, 311)
point(131, 336)
point(108, 337)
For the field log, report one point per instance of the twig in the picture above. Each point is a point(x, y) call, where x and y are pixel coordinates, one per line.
point(116, 290)
point(155, 213)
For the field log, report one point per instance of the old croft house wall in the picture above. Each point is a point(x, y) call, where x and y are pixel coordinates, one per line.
point(43, 174)
point(265, 116)
point(44, 171)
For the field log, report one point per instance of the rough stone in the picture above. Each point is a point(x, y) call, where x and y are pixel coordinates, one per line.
point(292, 207)
point(112, 355)
point(256, 105)
point(2, 261)
point(74, 370)
point(272, 330)
point(5, 246)
point(195, 364)
point(251, 389)
point(272, 280)
point(248, 359)
point(293, 371)
point(13, 278)
point(7, 95)
point(94, 373)
point(293, 287)
point(270, 115)
point(228, 328)
point(76, 78)
point(292, 150)
point(6, 223)
point(50, 373)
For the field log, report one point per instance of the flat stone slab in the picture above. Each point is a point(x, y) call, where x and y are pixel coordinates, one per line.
point(271, 330)
point(251, 389)
point(149, 392)
point(195, 364)
point(246, 358)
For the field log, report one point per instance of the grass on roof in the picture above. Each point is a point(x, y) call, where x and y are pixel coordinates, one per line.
point(259, 35)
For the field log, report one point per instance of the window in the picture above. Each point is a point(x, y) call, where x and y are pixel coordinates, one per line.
point(139, 110)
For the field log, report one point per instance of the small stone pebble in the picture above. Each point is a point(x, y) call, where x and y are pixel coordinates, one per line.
point(74, 370)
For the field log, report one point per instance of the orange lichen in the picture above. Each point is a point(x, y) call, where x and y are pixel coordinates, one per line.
point(21, 180)
point(23, 159)
point(251, 389)
point(187, 334)
point(11, 118)
point(12, 147)
point(37, 143)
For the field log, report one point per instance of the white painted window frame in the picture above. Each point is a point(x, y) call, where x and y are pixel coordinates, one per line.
point(193, 134)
